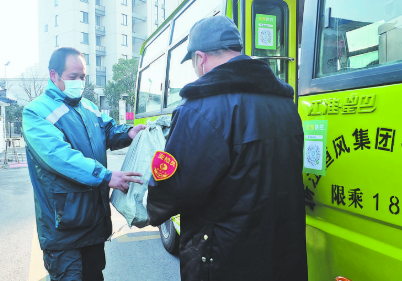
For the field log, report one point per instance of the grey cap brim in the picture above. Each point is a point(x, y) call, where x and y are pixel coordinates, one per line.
point(187, 57)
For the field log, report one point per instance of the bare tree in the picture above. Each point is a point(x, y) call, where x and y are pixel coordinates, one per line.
point(33, 84)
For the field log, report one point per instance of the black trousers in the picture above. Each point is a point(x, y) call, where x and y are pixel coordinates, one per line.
point(83, 264)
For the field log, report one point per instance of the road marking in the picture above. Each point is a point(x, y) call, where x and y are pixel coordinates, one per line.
point(37, 271)
point(124, 238)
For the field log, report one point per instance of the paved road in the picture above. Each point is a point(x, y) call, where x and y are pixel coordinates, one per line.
point(132, 254)
point(16, 224)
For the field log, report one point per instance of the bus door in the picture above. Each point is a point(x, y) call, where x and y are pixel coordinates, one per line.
point(349, 95)
point(268, 28)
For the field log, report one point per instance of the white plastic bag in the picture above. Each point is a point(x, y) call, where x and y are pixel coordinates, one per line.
point(138, 159)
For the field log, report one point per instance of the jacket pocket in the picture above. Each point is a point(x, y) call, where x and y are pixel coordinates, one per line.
point(74, 210)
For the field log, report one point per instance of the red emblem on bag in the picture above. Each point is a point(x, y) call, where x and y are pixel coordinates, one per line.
point(163, 165)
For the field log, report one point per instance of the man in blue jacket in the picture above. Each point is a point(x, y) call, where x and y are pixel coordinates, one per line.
point(238, 145)
point(67, 138)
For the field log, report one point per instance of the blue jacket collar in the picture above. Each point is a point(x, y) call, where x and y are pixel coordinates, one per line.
point(55, 93)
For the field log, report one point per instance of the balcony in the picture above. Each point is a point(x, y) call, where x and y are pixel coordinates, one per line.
point(138, 17)
point(138, 2)
point(100, 30)
point(99, 10)
point(100, 71)
point(100, 51)
point(138, 37)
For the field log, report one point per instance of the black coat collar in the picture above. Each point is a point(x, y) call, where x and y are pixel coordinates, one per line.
point(239, 75)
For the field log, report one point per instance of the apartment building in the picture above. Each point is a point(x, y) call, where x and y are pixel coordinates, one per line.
point(103, 30)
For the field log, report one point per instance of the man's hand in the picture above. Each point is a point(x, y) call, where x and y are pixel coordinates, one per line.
point(119, 180)
point(134, 131)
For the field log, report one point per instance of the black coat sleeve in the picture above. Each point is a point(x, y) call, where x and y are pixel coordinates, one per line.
point(202, 155)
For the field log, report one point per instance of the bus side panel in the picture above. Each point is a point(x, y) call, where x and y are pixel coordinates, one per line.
point(357, 257)
point(355, 218)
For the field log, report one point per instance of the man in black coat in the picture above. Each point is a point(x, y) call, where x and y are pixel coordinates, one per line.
point(238, 143)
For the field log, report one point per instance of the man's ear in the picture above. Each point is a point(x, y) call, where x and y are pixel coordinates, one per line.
point(53, 75)
point(203, 57)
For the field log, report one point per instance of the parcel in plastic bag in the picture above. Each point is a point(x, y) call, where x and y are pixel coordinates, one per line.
point(138, 159)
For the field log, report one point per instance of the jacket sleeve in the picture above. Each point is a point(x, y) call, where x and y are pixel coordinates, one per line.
point(202, 157)
point(116, 136)
point(51, 149)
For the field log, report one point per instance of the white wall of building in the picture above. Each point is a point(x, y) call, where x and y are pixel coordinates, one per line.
point(113, 41)
point(2, 126)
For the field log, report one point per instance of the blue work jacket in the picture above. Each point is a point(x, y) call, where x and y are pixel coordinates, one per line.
point(66, 142)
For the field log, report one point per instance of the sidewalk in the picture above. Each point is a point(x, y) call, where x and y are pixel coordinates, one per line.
point(12, 163)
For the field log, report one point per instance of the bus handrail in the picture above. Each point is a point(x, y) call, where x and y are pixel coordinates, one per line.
point(274, 57)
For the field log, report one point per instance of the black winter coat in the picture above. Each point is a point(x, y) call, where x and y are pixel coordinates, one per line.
point(238, 142)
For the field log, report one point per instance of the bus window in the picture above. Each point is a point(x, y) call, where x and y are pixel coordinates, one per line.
point(151, 85)
point(179, 74)
point(198, 10)
point(270, 34)
point(156, 47)
point(359, 36)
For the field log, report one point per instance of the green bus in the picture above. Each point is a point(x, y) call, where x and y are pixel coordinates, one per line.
point(344, 60)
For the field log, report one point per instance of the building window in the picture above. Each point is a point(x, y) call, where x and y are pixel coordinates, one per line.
point(56, 3)
point(103, 103)
point(98, 20)
point(87, 80)
point(85, 38)
point(163, 15)
point(46, 28)
point(124, 40)
point(98, 61)
point(97, 2)
point(98, 41)
point(57, 40)
point(156, 14)
point(55, 20)
point(84, 17)
point(124, 2)
point(86, 57)
point(100, 81)
point(85, 1)
point(124, 57)
point(124, 19)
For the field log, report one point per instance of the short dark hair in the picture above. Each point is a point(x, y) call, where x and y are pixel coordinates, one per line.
point(58, 59)
point(220, 52)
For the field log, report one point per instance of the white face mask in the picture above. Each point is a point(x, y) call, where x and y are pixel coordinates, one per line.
point(73, 88)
